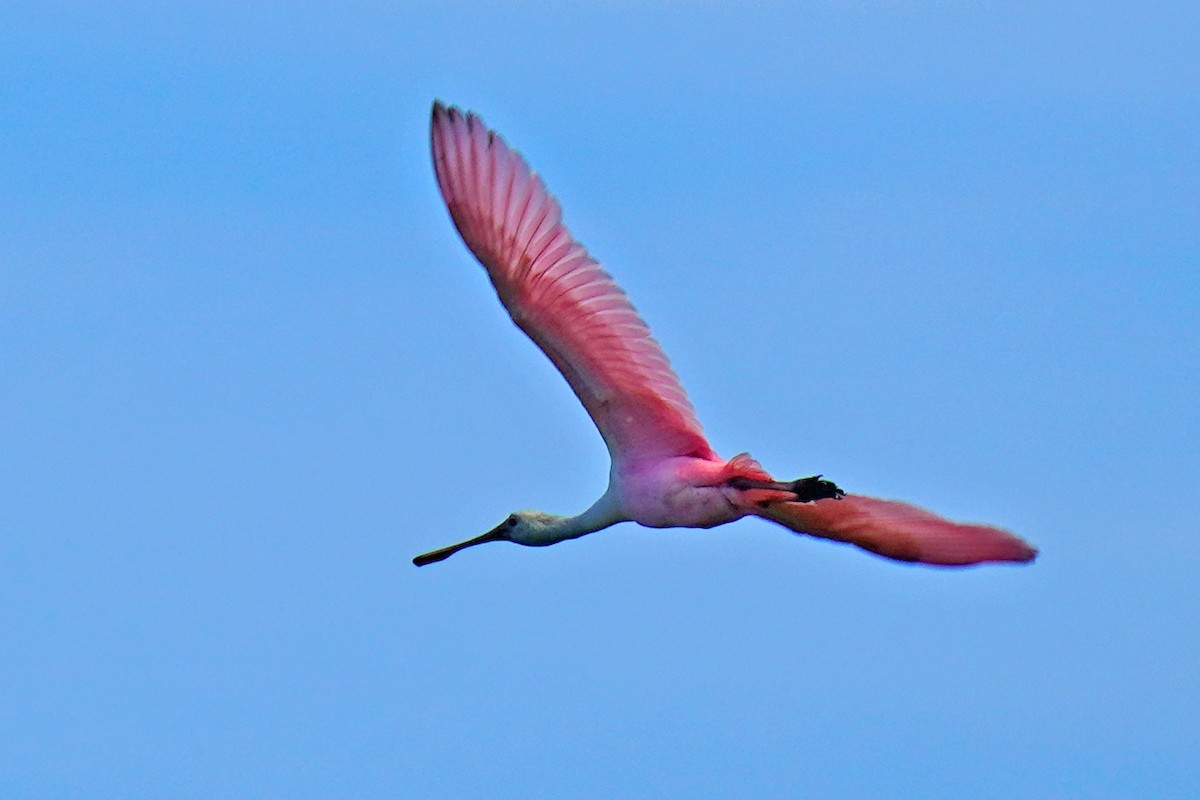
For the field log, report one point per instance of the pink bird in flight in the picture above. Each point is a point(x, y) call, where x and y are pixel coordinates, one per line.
point(664, 473)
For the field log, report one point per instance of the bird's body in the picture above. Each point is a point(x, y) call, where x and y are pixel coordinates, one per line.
point(678, 492)
point(664, 473)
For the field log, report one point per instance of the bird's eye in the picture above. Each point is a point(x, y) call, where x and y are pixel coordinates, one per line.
point(511, 521)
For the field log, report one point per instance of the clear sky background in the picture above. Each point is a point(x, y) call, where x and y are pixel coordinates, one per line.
point(946, 253)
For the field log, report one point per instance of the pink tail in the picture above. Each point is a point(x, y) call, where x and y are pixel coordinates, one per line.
point(899, 531)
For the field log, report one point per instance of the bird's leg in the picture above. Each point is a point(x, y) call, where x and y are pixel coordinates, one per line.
point(805, 489)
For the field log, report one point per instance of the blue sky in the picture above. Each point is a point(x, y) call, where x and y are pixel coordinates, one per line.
point(946, 254)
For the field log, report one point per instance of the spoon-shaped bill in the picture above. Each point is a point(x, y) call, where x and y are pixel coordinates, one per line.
point(494, 535)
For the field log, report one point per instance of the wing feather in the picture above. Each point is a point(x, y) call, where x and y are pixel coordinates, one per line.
point(559, 295)
point(900, 531)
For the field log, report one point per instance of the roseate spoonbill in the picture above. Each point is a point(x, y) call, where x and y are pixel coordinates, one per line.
point(664, 473)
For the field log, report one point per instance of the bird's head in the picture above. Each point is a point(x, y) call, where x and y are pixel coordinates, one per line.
point(533, 528)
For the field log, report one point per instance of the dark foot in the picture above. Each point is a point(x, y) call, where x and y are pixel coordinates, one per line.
point(809, 489)
point(805, 489)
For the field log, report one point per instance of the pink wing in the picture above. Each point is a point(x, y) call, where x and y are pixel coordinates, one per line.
point(900, 531)
point(559, 295)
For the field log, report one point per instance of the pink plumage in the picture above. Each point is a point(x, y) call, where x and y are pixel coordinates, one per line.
point(559, 295)
point(900, 531)
point(664, 473)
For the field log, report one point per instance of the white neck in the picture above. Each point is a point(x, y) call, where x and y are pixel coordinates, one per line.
point(604, 512)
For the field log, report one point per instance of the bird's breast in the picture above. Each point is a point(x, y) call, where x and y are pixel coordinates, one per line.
point(676, 493)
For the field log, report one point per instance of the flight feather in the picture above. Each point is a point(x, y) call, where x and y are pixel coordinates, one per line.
point(559, 295)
